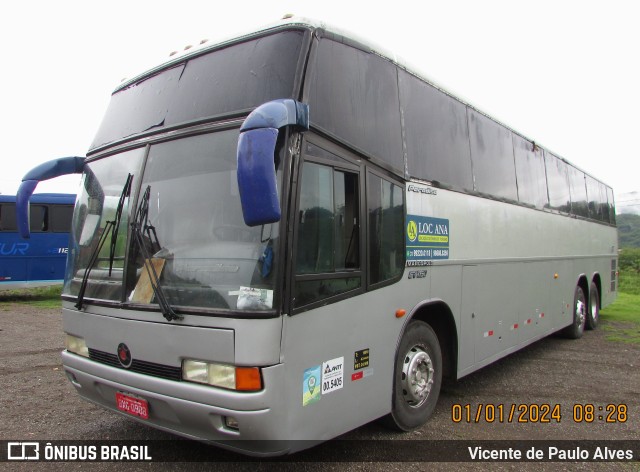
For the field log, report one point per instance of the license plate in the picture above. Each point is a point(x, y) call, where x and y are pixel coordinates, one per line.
point(132, 405)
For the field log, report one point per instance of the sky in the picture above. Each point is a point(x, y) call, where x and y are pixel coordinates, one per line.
point(563, 73)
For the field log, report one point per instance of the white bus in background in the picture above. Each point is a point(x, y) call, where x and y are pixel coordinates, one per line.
point(287, 235)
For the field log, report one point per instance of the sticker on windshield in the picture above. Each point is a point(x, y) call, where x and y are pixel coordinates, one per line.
point(254, 299)
point(311, 385)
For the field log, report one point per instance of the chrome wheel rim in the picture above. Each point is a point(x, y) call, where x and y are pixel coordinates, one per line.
point(417, 376)
point(594, 307)
point(581, 311)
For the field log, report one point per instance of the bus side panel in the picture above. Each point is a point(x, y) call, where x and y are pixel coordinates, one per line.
point(350, 333)
point(39, 259)
point(517, 269)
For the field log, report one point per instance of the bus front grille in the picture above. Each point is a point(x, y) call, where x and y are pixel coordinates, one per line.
point(138, 366)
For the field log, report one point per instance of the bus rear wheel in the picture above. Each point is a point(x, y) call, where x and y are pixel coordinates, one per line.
point(593, 314)
point(417, 377)
point(580, 308)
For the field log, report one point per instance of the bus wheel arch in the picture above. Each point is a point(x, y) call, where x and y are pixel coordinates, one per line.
point(425, 354)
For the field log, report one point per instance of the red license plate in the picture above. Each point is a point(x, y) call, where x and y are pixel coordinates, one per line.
point(132, 405)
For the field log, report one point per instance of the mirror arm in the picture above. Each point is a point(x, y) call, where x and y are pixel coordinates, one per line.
point(277, 114)
point(45, 171)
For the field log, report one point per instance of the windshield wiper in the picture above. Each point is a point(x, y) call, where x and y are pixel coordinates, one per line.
point(110, 227)
point(139, 230)
point(126, 192)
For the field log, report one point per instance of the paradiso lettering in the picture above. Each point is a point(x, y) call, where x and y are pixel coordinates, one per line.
point(427, 238)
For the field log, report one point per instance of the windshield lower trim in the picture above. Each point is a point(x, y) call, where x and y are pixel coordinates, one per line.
point(183, 310)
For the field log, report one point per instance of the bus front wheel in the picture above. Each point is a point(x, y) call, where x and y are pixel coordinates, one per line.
point(417, 377)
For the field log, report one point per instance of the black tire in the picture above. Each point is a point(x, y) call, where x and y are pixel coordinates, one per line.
point(580, 308)
point(418, 360)
point(593, 313)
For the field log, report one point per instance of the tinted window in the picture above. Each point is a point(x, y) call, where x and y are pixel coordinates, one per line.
point(239, 77)
point(557, 183)
point(354, 95)
point(578, 192)
point(492, 156)
point(235, 78)
point(61, 218)
point(596, 194)
point(436, 134)
point(8, 217)
point(139, 107)
point(612, 208)
point(328, 235)
point(38, 218)
point(385, 203)
point(532, 180)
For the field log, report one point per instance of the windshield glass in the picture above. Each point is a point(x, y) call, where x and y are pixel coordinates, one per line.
point(194, 236)
point(102, 187)
point(200, 248)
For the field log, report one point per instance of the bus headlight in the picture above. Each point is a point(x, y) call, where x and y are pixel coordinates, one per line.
point(247, 379)
point(76, 345)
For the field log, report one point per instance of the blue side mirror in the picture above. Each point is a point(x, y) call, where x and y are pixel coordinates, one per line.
point(256, 158)
point(45, 171)
point(257, 176)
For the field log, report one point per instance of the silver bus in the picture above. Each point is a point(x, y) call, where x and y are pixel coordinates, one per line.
point(283, 236)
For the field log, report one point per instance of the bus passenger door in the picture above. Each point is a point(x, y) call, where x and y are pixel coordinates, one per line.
point(340, 336)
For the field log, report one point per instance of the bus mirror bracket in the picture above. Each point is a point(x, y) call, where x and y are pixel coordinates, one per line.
point(45, 171)
point(256, 157)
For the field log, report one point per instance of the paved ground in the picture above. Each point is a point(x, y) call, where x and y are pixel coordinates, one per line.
point(39, 403)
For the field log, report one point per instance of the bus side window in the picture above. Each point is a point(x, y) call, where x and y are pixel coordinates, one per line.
point(39, 217)
point(328, 235)
point(8, 217)
point(385, 203)
point(61, 218)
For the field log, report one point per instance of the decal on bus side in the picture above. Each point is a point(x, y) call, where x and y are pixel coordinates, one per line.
point(311, 385)
point(14, 249)
point(427, 238)
point(332, 375)
point(422, 190)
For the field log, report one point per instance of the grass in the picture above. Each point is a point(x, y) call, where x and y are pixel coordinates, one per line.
point(42, 297)
point(629, 282)
point(621, 320)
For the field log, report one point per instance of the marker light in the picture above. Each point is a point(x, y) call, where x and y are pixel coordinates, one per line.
point(247, 379)
point(76, 345)
point(400, 312)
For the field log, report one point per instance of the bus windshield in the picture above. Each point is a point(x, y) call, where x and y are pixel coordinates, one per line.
point(193, 235)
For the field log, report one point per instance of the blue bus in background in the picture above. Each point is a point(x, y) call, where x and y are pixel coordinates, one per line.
point(40, 260)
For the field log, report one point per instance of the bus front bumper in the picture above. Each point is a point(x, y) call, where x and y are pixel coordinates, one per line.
point(190, 410)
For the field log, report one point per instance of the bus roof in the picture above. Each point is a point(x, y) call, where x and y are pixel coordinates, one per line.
point(326, 29)
point(68, 198)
